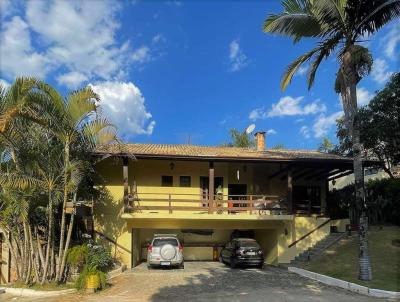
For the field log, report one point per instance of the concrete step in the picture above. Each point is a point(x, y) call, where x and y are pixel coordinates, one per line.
point(318, 248)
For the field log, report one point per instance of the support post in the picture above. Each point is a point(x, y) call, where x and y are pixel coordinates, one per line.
point(211, 187)
point(125, 163)
point(169, 203)
point(290, 190)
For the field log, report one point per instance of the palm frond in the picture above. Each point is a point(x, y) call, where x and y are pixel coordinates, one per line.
point(99, 132)
point(369, 16)
point(81, 104)
point(17, 181)
point(332, 14)
point(297, 21)
point(326, 49)
point(293, 67)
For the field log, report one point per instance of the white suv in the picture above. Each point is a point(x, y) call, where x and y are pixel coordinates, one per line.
point(165, 250)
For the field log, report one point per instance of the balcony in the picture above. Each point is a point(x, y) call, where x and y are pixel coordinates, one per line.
point(200, 205)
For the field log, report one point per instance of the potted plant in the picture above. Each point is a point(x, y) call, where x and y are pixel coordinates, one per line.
point(93, 275)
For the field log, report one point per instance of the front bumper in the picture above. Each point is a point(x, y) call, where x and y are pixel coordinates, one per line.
point(249, 261)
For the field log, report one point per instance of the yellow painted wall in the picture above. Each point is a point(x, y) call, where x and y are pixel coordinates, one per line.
point(269, 243)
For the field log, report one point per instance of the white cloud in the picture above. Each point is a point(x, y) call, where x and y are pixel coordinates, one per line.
point(238, 60)
point(271, 132)
point(18, 58)
point(158, 38)
point(141, 55)
point(363, 96)
point(391, 41)
point(380, 72)
point(257, 114)
point(324, 123)
point(77, 37)
point(124, 105)
point(305, 131)
point(288, 106)
point(72, 79)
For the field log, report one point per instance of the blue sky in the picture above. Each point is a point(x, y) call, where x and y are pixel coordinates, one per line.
point(173, 72)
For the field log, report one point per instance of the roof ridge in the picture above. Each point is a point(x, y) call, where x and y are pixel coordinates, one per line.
point(230, 147)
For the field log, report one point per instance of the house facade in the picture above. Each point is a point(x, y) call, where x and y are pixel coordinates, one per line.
point(206, 194)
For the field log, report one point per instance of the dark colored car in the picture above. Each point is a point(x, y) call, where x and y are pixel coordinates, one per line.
point(242, 251)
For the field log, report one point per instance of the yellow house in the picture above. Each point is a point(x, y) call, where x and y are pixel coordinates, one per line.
point(204, 194)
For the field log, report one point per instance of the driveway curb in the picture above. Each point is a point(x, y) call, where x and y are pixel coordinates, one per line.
point(378, 293)
point(26, 292)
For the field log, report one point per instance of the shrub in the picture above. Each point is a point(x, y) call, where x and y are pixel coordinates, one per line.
point(77, 256)
point(99, 258)
point(383, 202)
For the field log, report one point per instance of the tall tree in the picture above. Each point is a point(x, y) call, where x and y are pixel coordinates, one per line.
point(339, 25)
point(380, 127)
point(80, 128)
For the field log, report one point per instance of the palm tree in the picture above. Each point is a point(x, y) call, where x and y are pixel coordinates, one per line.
point(62, 132)
point(339, 26)
point(240, 139)
point(78, 125)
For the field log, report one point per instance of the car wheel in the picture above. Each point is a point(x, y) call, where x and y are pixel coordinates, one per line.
point(233, 263)
point(149, 267)
point(261, 266)
point(182, 266)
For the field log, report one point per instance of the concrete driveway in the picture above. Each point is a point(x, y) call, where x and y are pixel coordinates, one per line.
point(206, 281)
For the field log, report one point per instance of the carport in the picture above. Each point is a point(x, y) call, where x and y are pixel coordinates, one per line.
point(203, 240)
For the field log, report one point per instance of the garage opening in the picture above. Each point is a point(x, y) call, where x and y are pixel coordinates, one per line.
point(205, 244)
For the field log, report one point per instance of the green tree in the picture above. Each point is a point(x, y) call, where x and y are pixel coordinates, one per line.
point(379, 127)
point(326, 146)
point(45, 145)
point(240, 139)
point(80, 128)
point(339, 26)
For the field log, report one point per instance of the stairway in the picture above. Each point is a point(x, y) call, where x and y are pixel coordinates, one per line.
point(318, 249)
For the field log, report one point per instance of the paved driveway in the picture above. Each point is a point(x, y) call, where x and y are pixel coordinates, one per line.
point(206, 281)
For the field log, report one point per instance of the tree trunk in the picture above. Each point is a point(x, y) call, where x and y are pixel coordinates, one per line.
point(70, 227)
point(349, 81)
point(13, 254)
point(63, 212)
point(49, 236)
point(39, 247)
point(34, 256)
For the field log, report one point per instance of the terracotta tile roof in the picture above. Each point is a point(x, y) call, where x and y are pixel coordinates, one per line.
point(207, 152)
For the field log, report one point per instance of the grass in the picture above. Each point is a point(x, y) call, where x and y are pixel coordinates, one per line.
point(44, 287)
point(341, 261)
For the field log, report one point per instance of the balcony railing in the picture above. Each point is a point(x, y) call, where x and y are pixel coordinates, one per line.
point(230, 204)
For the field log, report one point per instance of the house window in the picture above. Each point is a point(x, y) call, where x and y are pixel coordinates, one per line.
point(166, 181)
point(185, 181)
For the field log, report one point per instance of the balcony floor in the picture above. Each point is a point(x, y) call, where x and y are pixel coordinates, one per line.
point(202, 215)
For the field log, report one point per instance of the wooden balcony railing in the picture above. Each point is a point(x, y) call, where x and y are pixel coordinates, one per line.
point(231, 204)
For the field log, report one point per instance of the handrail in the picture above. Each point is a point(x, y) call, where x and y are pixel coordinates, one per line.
point(176, 201)
point(205, 194)
point(112, 241)
point(309, 233)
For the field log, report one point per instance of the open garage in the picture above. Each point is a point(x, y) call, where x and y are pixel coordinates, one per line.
point(205, 244)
